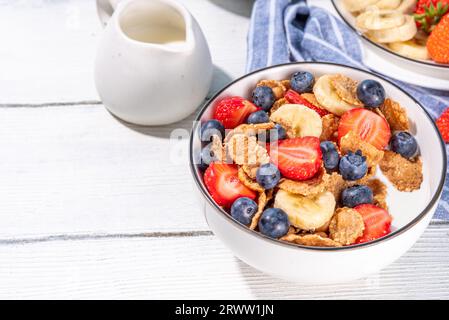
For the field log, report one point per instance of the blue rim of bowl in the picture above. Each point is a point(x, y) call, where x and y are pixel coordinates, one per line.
point(194, 169)
point(435, 65)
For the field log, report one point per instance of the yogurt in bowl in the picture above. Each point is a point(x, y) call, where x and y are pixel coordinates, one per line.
point(340, 190)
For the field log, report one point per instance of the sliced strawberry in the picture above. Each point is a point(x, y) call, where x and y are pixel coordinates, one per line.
point(233, 111)
point(224, 185)
point(298, 158)
point(377, 222)
point(371, 127)
point(295, 98)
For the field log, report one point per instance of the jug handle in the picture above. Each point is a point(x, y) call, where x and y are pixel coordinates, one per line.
point(105, 9)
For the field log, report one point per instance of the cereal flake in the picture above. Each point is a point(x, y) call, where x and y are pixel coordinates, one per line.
point(277, 104)
point(310, 97)
point(352, 142)
point(313, 240)
point(346, 88)
point(264, 198)
point(250, 171)
point(277, 86)
point(251, 129)
point(286, 84)
point(248, 182)
point(245, 150)
point(379, 193)
point(396, 115)
point(346, 226)
point(330, 127)
point(217, 148)
point(404, 174)
point(309, 187)
point(336, 184)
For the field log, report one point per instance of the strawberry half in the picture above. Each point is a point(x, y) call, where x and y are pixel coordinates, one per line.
point(233, 111)
point(224, 185)
point(371, 127)
point(295, 98)
point(298, 158)
point(377, 222)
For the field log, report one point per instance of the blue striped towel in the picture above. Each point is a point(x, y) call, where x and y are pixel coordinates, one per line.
point(286, 31)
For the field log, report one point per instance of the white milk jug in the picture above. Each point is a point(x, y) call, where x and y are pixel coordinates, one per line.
point(153, 65)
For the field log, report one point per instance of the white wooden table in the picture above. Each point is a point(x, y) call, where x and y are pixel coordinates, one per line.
point(88, 207)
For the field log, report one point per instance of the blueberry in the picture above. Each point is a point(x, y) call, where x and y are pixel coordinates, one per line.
point(258, 117)
point(278, 133)
point(404, 143)
point(263, 97)
point(274, 223)
point(353, 196)
point(302, 82)
point(210, 128)
point(207, 156)
point(268, 176)
point(243, 210)
point(331, 157)
point(353, 166)
point(371, 93)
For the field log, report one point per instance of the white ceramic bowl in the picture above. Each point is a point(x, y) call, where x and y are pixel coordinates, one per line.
point(411, 211)
point(424, 73)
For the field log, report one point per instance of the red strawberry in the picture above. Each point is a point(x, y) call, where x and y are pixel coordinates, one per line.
point(233, 111)
point(377, 222)
point(438, 42)
point(443, 125)
point(224, 185)
point(298, 158)
point(428, 13)
point(371, 127)
point(295, 98)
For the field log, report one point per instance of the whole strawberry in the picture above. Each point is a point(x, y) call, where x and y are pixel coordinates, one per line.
point(428, 13)
point(443, 125)
point(438, 42)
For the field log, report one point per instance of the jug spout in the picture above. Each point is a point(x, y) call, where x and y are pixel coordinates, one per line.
point(162, 24)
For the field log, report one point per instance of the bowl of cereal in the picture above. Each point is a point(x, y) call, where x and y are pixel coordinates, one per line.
point(316, 172)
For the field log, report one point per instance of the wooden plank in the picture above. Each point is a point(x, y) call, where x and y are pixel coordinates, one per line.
point(48, 50)
point(80, 170)
point(48, 47)
point(198, 268)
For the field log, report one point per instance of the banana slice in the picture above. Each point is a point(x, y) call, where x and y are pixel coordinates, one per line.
point(389, 4)
point(407, 6)
point(379, 19)
point(306, 213)
point(410, 49)
point(328, 98)
point(358, 5)
point(397, 34)
point(299, 121)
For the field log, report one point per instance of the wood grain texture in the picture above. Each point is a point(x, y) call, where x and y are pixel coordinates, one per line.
point(49, 47)
point(80, 170)
point(199, 267)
